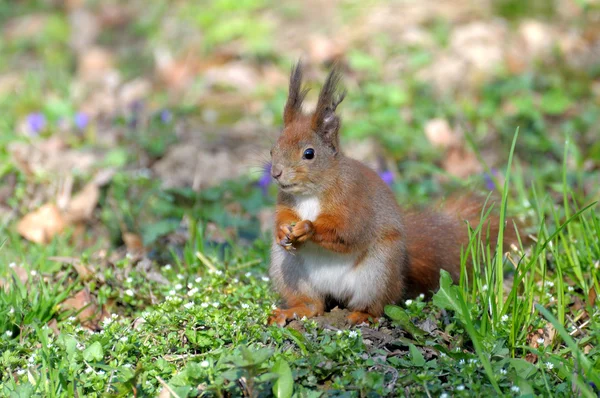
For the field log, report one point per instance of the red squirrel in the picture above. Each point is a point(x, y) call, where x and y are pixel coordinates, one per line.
point(339, 232)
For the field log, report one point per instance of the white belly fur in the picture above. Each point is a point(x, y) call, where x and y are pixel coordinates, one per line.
point(335, 274)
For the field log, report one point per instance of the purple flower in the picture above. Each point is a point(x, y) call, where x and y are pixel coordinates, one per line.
point(36, 122)
point(81, 120)
point(166, 116)
point(387, 177)
point(265, 179)
point(489, 181)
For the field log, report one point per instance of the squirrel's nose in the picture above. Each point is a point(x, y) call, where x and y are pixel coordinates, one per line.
point(276, 172)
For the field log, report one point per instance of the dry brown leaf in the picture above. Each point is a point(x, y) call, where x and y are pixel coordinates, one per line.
point(53, 325)
point(592, 296)
point(82, 205)
point(83, 303)
point(133, 242)
point(21, 272)
point(41, 225)
point(461, 162)
point(94, 64)
point(440, 134)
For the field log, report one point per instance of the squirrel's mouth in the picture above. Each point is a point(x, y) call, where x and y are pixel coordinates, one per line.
point(286, 186)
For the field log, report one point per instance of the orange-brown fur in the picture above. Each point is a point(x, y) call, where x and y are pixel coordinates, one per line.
point(357, 231)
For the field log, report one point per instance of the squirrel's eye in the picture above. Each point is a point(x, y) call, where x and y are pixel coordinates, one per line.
point(309, 154)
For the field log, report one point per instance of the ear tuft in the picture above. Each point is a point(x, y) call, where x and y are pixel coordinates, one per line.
point(325, 122)
point(296, 94)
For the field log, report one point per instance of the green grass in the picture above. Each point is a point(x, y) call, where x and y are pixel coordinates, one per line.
point(192, 319)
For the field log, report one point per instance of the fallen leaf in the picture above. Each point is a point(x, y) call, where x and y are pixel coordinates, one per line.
point(82, 205)
point(440, 134)
point(53, 325)
point(133, 242)
point(461, 162)
point(94, 64)
point(83, 303)
point(592, 296)
point(41, 225)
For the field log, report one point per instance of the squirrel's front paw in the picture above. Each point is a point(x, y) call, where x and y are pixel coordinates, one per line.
point(302, 231)
point(283, 236)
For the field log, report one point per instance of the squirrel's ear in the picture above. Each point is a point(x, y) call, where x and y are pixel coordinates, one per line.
point(296, 95)
point(325, 122)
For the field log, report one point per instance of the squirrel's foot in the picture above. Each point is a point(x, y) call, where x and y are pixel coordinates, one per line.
point(358, 318)
point(281, 316)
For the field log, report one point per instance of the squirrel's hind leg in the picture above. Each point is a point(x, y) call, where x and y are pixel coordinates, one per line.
point(299, 307)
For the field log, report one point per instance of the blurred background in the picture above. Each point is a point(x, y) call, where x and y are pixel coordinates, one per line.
point(124, 122)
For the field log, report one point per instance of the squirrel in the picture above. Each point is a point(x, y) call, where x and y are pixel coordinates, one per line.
point(339, 232)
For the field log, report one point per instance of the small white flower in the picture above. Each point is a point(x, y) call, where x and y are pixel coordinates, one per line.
point(473, 360)
point(339, 333)
point(484, 288)
point(248, 274)
point(88, 370)
point(198, 279)
point(215, 304)
point(180, 277)
point(245, 306)
point(235, 280)
point(540, 341)
point(408, 302)
point(461, 362)
point(9, 333)
point(123, 339)
point(597, 264)
point(33, 272)
point(204, 364)
point(31, 358)
point(273, 307)
point(304, 318)
point(193, 291)
point(49, 345)
point(21, 372)
point(71, 319)
point(460, 388)
point(504, 318)
point(172, 292)
point(127, 365)
point(219, 272)
point(552, 299)
point(443, 355)
point(129, 292)
point(204, 305)
point(515, 389)
point(549, 284)
point(549, 365)
point(353, 334)
point(167, 267)
point(188, 305)
point(129, 256)
point(444, 395)
point(571, 288)
point(11, 311)
point(114, 316)
point(80, 346)
point(190, 286)
point(12, 265)
point(422, 297)
point(265, 278)
point(129, 280)
point(100, 373)
point(503, 371)
point(106, 321)
point(178, 286)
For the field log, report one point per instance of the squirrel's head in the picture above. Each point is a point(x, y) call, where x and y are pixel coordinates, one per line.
point(308, 147)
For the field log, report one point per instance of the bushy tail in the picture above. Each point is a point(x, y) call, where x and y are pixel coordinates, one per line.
point(435, 238)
